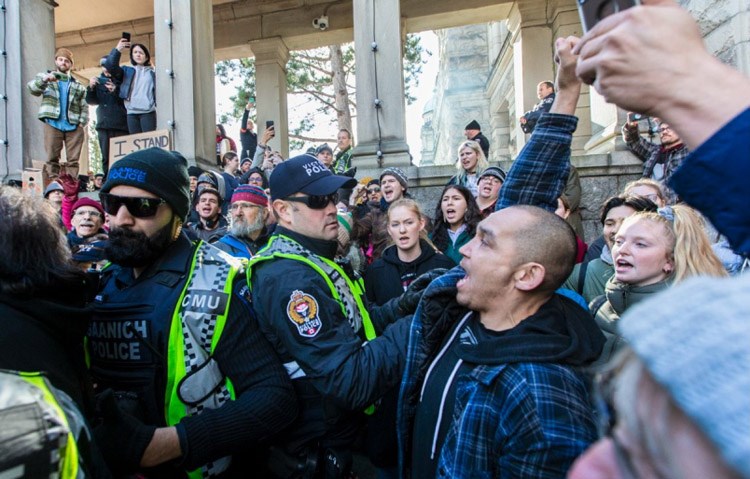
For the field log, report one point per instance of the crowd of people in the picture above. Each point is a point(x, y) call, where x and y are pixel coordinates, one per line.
point(274, 317)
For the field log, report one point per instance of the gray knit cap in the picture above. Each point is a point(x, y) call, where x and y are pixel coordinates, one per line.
point(397, 173)
point(695, 341)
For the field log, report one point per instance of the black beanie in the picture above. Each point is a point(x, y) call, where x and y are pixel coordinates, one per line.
point(474, 125)
point(156, 171)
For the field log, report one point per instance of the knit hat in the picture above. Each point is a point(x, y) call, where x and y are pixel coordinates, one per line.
point(53, 186)
point(208, 177)
point(87, 202)
point(694, 339)
point(157, 171)
point(251, 194)
point(245, 160)
point(495, 171)
point(322, 148)
point(474, 125)
point(65, 53)
point(194, 171)
point(397, 173)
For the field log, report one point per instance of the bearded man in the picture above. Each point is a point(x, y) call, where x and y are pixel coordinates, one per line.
point(247, 233)
point(186, 381)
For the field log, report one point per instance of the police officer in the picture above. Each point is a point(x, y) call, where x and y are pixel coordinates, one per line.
point(188, 377)
point(313, 311)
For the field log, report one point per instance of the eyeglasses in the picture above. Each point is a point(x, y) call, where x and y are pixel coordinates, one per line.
point(138, 207)
point(315, 202)
point(607, 419)
point(93, 214)
point(255, 180)
point(373, 190)
point(243, 206)
point(664, 128)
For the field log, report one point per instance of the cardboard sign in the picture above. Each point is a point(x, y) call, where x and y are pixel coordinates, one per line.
point(122, 145)
point(32, 183)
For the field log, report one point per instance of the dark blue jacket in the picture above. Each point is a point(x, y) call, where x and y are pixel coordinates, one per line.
point(714, 179)
point(111, 113)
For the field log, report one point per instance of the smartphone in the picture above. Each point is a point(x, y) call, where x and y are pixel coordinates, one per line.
point(126, 36)
point(103, 80)
point(269, 124)
point(592, 11)
point(251, 99)
point(635, 117)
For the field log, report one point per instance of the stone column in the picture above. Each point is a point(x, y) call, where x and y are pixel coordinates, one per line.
point(271, 56)
point(383, 68)
point(185, 102)
point(532, 63)
point(30, 47)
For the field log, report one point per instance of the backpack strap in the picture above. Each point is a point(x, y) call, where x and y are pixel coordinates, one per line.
point(582, 276)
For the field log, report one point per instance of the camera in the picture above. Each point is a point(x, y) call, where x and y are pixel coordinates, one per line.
point(321, 23)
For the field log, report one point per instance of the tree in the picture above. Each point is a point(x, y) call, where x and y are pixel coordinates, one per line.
point(229, 70)
point(325, 76)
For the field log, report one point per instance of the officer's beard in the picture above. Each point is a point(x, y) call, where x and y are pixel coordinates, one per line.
point(134, 249)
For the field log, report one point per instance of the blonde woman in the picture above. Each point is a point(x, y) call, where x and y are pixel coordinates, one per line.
point(409, 255)
point(471, 164)
point(651, 252)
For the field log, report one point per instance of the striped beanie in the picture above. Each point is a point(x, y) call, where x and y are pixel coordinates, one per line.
point(397, 173)
point(250, 193)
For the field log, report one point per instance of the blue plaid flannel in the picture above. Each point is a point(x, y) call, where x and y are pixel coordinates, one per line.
point(523, 420)
point(510, 420)
point(540, 171)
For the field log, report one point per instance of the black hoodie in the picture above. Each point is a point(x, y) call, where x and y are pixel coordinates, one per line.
point(45, 333)
point(388, 276)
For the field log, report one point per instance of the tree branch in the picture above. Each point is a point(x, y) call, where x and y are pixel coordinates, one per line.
point(312, 139)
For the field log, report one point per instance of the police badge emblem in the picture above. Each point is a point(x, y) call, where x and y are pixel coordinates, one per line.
point(302, 310)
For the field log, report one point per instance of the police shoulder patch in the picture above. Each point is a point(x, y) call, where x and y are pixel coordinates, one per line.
point(302, 311)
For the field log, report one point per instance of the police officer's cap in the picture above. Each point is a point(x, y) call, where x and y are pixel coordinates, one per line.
point(305, 174)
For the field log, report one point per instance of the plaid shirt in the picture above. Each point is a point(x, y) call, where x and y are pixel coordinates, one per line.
point(652, 155)
point(522, 420)
point(78, 109)
point(540, 171)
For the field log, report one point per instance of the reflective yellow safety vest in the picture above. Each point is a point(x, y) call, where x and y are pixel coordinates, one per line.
point(194, 380)
point(348, 293)
point(40, 420)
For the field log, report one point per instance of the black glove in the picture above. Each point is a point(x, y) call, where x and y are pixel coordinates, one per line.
point(408, 301)
point(121, 437)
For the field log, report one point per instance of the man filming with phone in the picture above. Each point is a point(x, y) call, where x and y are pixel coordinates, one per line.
point(659, 160)
point(64, 112)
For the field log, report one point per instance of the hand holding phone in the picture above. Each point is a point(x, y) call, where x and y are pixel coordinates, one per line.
point(592, 11)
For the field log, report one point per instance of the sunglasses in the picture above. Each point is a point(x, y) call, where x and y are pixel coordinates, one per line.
point(138, 207)
point(373, 190)
point(315, 202)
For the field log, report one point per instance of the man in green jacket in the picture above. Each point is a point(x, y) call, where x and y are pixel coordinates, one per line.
point(64, 112)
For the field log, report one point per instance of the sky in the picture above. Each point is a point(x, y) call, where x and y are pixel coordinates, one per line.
point(298, 105)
